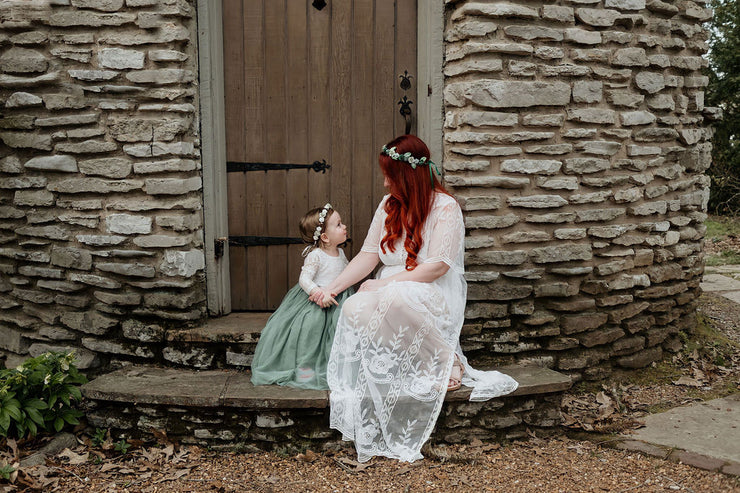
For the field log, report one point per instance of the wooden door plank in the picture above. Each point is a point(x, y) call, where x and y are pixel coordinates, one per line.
point(233, 26)
point(362, 118)
point(384, 104)
point(297, 127)
point(276, 72)
point(255, 211)
point(340, 91)
point(405, 56)
point(319, 101)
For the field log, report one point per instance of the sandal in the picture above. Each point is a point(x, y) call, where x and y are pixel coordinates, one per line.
point(455, 376)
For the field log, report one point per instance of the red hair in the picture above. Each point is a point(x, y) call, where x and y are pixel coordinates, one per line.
point(412, 192)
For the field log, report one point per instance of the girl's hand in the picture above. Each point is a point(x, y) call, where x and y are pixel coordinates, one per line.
point(372, 285)
point(328, 301)
point(317, 294)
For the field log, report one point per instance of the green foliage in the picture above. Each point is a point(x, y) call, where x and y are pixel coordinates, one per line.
point(6, 471)
point(122, 446)
point(724, 92)
point(40, 395)
point(99, 437)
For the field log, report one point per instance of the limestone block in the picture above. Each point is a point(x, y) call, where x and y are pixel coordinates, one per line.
point(11, 213)
point(64, 286)
point(127, 269)
point(104, 346)
point(554, 217)
point(90, 322)
point(33, 198)
point(128, 224)
point(82, 55)
point(585, 165)
point(182, 263)
point(162, 76)
point(582, 36)
point(86, 147)
point(146, 130)
point(466, 29)
point(93, 75)
point(96, 185)
point(624, 98)
point(559, 183)
point(22, 60)
point(161, 241)
point(590, 55)
point(570, 233)
point(526, 237)
point(592, 115)
point(84, 359)
point(655, 135)
point(118, 299)
point(501, 9)
point(477, 181)
point(141, 331)
point(537, 201)
point(628, 195)
point(546, 120)
point(473, 118)
point(549, 52)
point(167, 33)
point(11, 165)
point(630, 57)
point(596, 215)
point(560, 253)
point(642, 358)
point(459, 67)
point(486, 151)
point(534, 32)
point(60, 163)
point(531, 166)
point(69, 18)
point(450, 165)
point(549, 149)
point(491, 222)
point(697, 158)
point(24, 140)
point(625, 4)
point(631, 118)
point(50, 232)
point(689, 63)
point(22, 100)
point(661, 7)
point(94, 280)
point(599, 147)
point(498, 291)
point(100, 240)
point(160, 149)
point(522, 69)
point(511, 94)
point(195, 357)
point(178, 56)
point(620, 36)
point(649, 208)
point(661, 102)
point(590, 198)
point(597, 17)
point(587, 91)
point(558, 13)
point(172, 186)
point(110, 167)
point(564, 70)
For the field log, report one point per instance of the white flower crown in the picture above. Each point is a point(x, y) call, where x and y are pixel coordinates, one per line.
point(407, 157)
point(322, 218)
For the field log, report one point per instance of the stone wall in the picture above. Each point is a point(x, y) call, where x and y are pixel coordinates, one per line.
point(101, 234)
point(575, 139)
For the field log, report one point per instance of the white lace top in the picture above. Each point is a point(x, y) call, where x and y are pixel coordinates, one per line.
point(320, 269)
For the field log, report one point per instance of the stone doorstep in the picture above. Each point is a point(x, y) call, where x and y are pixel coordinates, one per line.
point(228, 388)
point(693, 459)
point(241, 327)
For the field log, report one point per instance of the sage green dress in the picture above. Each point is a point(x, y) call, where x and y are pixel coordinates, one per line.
point(294, 346)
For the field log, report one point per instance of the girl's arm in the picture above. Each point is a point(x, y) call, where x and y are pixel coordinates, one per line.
point(360, 266)
point(308, 272)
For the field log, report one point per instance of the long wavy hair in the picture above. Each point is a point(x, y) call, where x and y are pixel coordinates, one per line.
point(411, 196)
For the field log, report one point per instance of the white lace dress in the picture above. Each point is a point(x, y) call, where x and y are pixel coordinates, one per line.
point(393, 348)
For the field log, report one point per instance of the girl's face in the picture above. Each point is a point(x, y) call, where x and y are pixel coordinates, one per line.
point(336, 231)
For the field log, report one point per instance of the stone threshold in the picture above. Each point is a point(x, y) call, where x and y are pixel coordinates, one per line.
point(239, 327)
point(230, 388)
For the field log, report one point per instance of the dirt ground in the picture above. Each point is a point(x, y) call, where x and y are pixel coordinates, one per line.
point(709, 367)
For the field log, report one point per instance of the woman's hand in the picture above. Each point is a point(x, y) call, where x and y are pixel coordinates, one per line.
point(372, 285)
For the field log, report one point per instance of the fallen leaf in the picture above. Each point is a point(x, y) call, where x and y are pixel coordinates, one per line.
point(309, 456)
point(73, 457)
point(688, 382)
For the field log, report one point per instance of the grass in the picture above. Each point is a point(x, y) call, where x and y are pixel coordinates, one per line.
point(720, 228)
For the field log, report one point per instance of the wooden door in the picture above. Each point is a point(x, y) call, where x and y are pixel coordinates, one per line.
point(305, 84)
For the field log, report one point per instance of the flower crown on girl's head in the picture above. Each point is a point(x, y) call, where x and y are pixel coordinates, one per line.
point(407, 157)
point(322, 218)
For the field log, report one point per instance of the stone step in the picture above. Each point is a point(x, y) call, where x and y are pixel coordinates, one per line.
point(222, 407)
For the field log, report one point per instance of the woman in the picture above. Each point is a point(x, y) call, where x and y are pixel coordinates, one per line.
point(396, 348)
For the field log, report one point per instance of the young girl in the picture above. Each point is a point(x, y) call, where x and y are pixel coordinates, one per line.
point(294, 345)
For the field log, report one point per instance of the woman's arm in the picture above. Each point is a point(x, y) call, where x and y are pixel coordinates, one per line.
point(422, 273)
point(360, 266)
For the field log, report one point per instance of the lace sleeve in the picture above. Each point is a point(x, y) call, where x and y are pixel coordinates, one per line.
point(308, 272)
point(446, 239)
point(375, 232)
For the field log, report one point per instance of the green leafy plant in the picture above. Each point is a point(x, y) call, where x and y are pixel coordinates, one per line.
point(40, 395)
point(121, 447)
point(6, 471)
point(99, 437)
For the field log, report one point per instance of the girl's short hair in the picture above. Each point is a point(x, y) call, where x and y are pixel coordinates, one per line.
point(310, 221)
